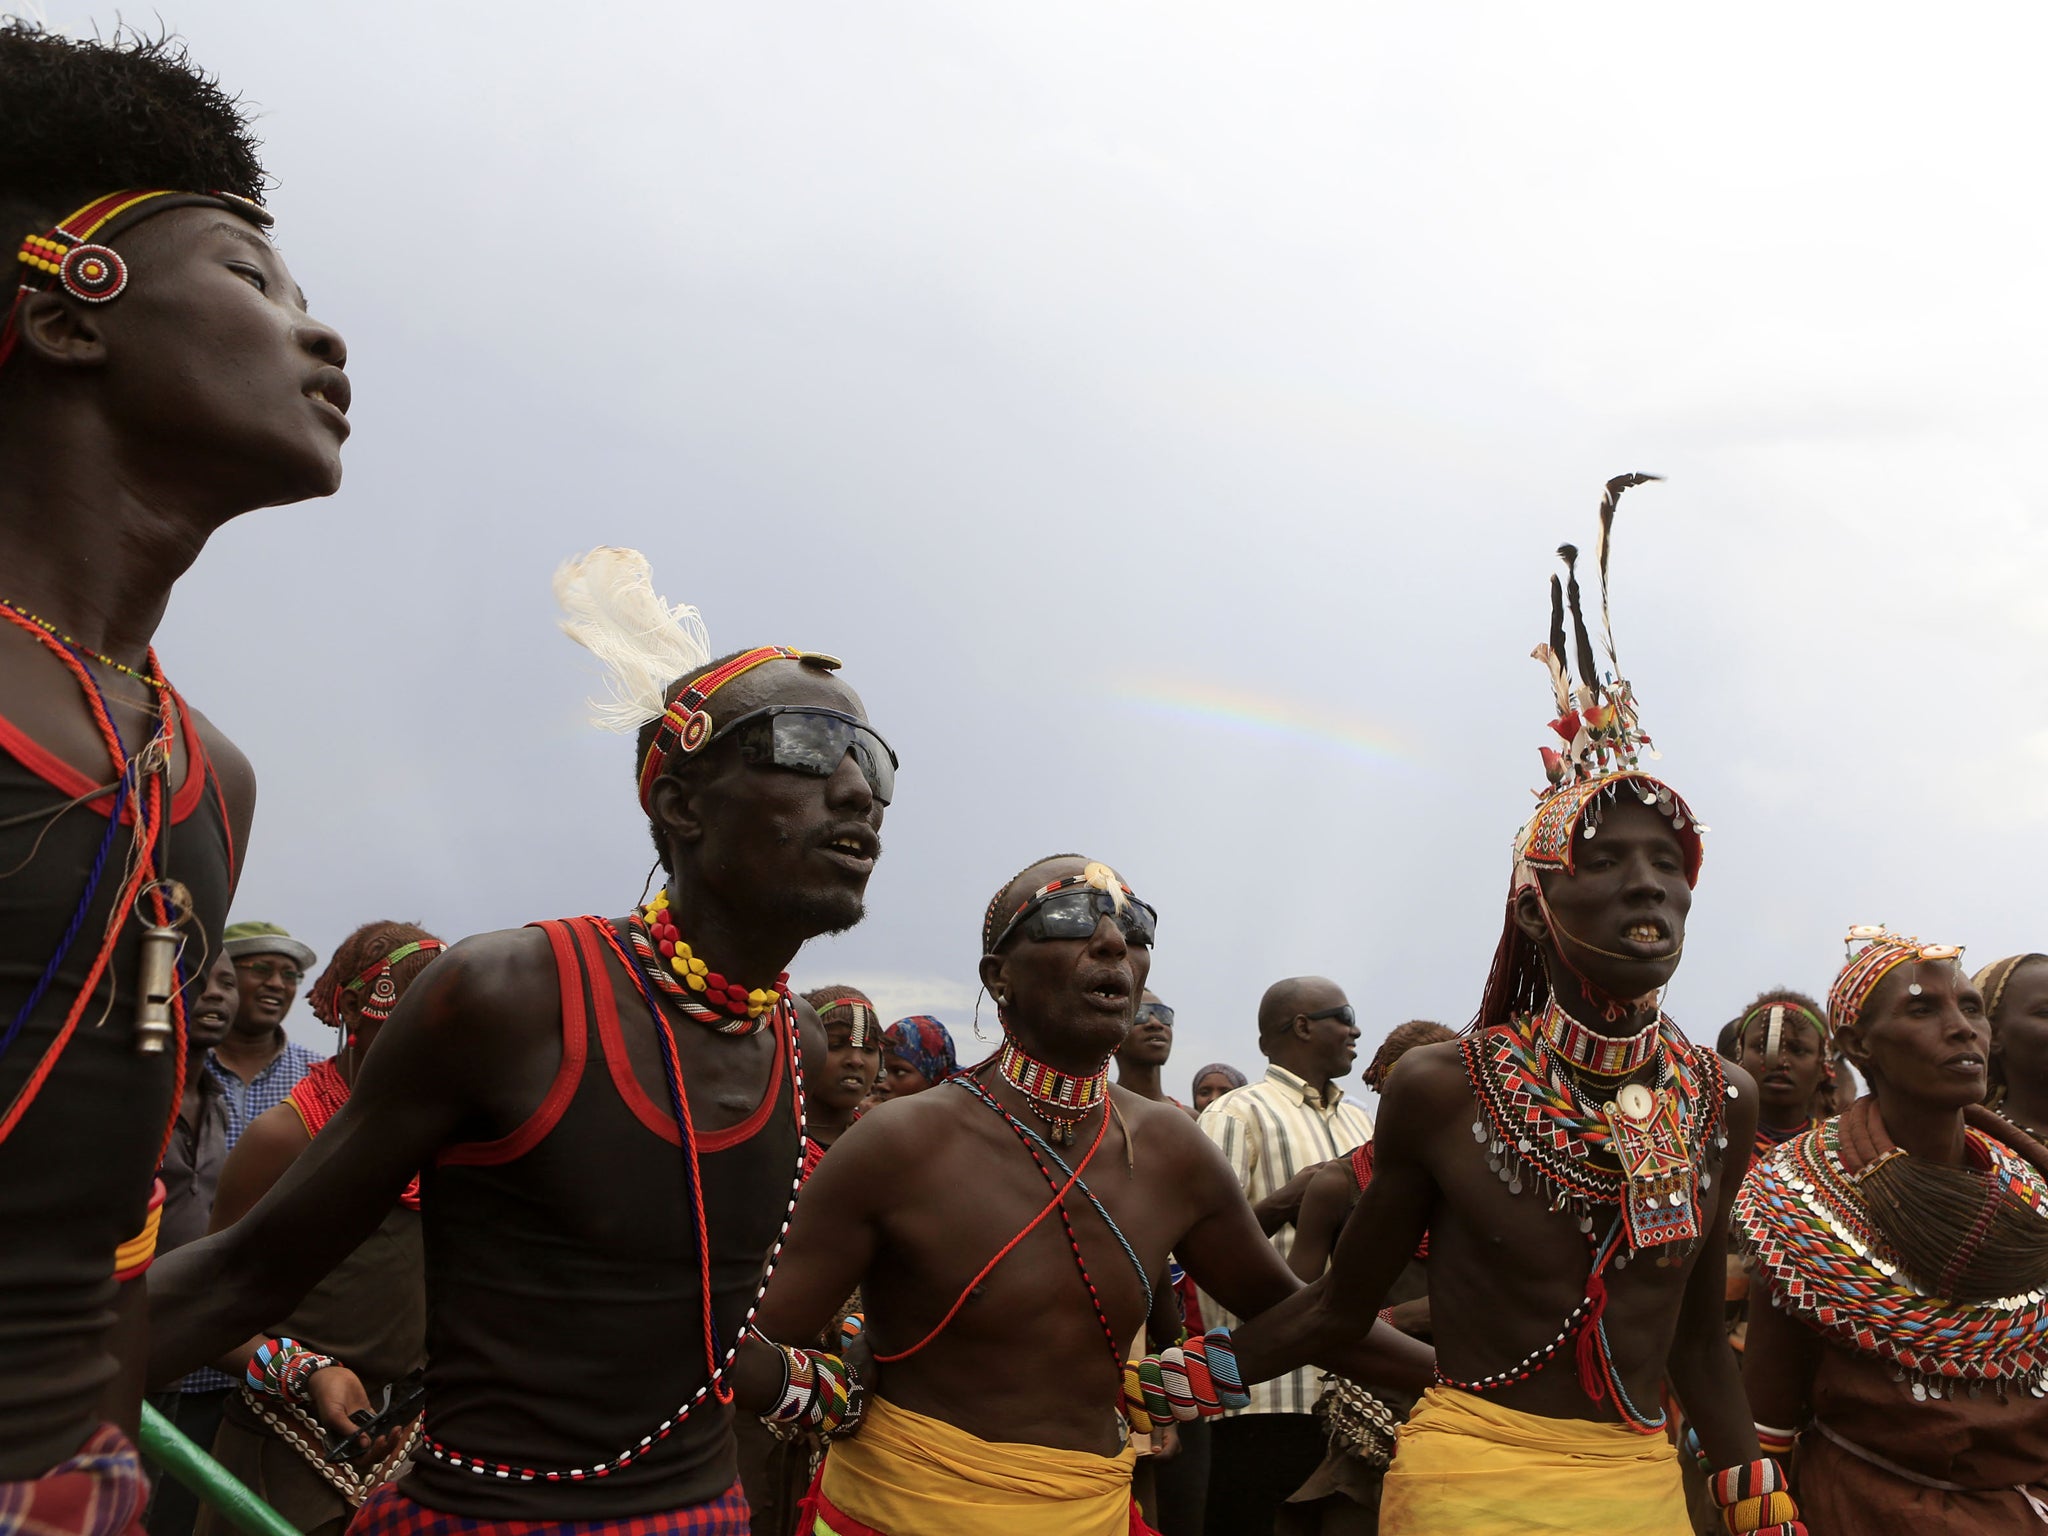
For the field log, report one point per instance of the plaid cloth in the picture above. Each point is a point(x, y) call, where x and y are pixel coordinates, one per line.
point(387, 1512)
point(98, 1492)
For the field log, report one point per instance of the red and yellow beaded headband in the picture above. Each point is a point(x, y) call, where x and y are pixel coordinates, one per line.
point(381, 984)
point(1096, 874)
point(1881, 953)
point(686, 725)
point(74, 254)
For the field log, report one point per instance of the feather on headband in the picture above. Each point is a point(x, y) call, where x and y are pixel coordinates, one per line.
point(611, 609)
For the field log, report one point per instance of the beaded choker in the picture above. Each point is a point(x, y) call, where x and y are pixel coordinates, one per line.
point(1594, 1053)
point(699, 991)
point(1060, 1099)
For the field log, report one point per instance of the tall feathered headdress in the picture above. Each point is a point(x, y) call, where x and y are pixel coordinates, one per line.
point(610, 608)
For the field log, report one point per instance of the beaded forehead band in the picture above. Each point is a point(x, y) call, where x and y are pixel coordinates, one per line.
point(1098, 875)
point(381, 985)
point(1992, 979)
point(1874, 953)
point(74, 255)
point(861, 1028)
point(1598, 726)
point(686, 725)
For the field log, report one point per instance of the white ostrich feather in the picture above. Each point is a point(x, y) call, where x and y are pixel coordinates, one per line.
point(610, 608)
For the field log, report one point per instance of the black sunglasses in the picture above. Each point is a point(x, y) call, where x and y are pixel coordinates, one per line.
point(808, 738)
point(1344, 1013)
point(1161, 1011)
point(1073, 913)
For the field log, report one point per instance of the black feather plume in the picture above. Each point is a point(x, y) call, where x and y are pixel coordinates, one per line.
point(1589, 670)
point(1608, 500)
point(1557, 626)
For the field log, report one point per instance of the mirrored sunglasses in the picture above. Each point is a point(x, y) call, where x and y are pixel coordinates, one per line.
point(1073, 912)
point(813, 740)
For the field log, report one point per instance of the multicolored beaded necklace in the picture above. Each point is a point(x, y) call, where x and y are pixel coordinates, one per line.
point(702, 993)
point(1060, 1099)
point(1800, 1215)
point(153, 679)
point(717, 1358)
point(1596, 1054)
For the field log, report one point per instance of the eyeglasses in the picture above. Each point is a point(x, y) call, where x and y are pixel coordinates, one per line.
point(1073, 912)
point(272, 970)
point(811, 739)
point(1344, 1014)
point(1160, 1011)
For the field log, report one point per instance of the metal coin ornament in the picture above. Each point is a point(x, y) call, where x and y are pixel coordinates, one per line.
point(1661, 1203)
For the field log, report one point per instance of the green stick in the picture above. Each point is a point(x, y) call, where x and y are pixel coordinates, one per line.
point(167, 1446)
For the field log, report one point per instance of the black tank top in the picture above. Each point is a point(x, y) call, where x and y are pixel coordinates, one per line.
point(75, 1173)
point(565, 1314)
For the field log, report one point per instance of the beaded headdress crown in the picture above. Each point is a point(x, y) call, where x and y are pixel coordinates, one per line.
point(1598, 726)
point(1874, 953)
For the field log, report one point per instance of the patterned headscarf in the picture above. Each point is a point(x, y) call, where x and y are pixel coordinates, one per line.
point(922, 1041)
point(1237, 1078)
point(1882, 953)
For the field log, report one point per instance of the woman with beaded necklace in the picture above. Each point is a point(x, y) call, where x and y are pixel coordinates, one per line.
point(2016, 1002)
point(1903, 1248)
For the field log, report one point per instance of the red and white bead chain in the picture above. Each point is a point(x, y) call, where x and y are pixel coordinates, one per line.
point(702, 993)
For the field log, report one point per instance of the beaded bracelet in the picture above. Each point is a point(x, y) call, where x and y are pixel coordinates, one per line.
point(821, 1393)
point(1776, 1442)
point(1755, 1500)
point(1195, 1379)
point(282, 1368)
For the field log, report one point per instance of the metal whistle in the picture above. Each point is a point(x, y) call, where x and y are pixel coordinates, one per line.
point(158, 982)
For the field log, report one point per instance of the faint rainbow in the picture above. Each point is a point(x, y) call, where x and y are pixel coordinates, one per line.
point(1269, 717)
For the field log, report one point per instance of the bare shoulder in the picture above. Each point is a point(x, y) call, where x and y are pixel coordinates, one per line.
point(1160, 1123)
point(483, 1000)
point(899, 1136)
point(1427, 1081)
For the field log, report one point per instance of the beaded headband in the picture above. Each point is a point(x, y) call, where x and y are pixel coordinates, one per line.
point(686, 725)
point(1791, 1010)
point(74, 255)
point(1881, 953)
point(1598, 725)
point(1992, 979)
point(381, 984)
point(1096, 874)
point(861, 1027)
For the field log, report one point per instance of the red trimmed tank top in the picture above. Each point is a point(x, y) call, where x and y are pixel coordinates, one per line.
point(75, 1173)
point(566, 1316)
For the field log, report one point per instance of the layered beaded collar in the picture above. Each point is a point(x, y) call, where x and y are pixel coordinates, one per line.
point(1800, 1215)
point(702, 993)
point(1630, 1146)
point(1060, 1099)
point(1596, 1054)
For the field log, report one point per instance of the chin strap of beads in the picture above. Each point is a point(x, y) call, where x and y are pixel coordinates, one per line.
point(821, 1394)
point(282, 1368)
point(1755, 1500)
point(1195, 1379)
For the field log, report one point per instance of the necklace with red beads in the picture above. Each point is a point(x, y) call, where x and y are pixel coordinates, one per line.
point(702, 993)
point(1060, 1099)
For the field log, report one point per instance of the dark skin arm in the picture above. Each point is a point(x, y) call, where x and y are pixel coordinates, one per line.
point(266, 1151)
point(1779, 1365)
point(1279, 1208)
point(1332, 1192)
point(1702, 1368)
point(468, 1051)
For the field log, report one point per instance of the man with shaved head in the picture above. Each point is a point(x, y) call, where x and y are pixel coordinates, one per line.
point(1009, 1231)
point(1274, 1133)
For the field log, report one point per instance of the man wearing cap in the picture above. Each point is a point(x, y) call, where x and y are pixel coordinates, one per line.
point(255, 1065)
point(1275, 1133)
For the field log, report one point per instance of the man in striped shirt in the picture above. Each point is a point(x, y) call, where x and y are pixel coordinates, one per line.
point(1273, 1133)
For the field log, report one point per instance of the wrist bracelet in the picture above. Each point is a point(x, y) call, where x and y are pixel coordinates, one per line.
point(1755, 1500)
point(282, 1368)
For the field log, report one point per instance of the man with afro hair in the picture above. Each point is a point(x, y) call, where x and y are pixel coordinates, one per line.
point(159, 375)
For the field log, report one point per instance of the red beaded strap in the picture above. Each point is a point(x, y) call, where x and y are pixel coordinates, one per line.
point(687, 725)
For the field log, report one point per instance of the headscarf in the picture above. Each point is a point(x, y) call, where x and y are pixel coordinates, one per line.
point(922, 1041)
point(1237, 1078)
point(1992, 979)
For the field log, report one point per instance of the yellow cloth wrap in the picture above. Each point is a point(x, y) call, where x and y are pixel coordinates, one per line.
point(910, 1475)
point(139, 1252)
point(1464, 1466)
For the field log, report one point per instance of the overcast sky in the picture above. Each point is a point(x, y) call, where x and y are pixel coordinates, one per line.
point(1168, 411)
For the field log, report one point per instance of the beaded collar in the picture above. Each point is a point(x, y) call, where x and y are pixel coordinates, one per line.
point(1799, 1214)
point(1535, 1124)
point(702, 993)
point(1594, 1053)
point(1058, 1098)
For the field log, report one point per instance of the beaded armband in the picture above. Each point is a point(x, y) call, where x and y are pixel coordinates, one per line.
point(1196, 1379)
point(821, 1393)
point(1755, 1501)
point(135, 1256)
point(1776, 1442)
point(281, 1368)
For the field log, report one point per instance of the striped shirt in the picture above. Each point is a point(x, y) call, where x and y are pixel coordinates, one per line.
point(1269, 1131)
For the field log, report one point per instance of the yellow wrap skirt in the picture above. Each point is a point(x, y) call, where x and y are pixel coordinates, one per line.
point(905, 1474)
point(1464, 1466)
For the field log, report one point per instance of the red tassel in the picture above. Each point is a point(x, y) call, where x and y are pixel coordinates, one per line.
point(1591, 1376)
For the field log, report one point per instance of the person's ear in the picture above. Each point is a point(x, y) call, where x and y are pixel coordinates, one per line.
point(60, 331)
point(1303, 1027)
point(1528, 913)
point(992, 978)
point(676, 809)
